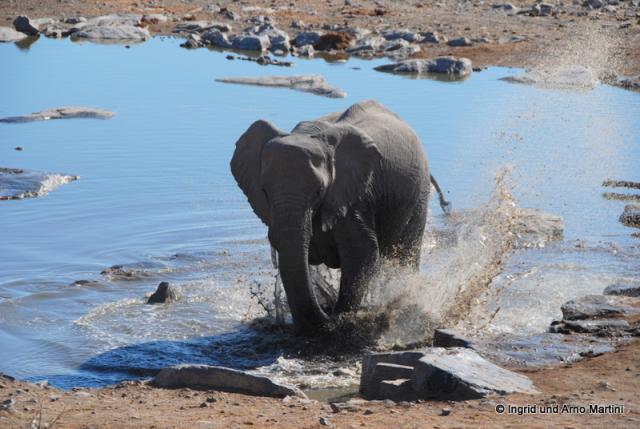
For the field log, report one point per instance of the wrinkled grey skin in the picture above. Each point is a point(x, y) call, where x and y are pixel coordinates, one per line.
point(345, 190)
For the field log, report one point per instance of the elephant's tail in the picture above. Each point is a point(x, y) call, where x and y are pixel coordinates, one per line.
point(444, 204)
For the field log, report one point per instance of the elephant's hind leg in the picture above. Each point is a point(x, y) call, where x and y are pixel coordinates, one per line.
point(407, 249)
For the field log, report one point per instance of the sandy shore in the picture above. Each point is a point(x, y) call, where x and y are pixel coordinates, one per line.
point(611, 379)
point(605, 39)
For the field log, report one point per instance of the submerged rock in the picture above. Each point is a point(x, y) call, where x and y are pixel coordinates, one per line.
point(628, 82)
point(113, 34)
point(314, 84)
point(16, 184)
point(440, 65)
point(535, 228)
point(10, 35)
point(461, 373)
point(631, 216)
point(623, 289)
point(223, 379)
point(61, 113)
point(575, 77)
point(163, 293)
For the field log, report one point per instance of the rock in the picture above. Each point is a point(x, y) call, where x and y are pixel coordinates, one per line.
point(594, 4)
point(113, 34)
point(10, 35)
point(162, 294)
point(59, 30)
point(442, 65)
point(193, 41)
point(368, 385)
point(338, 407)
point(278, 39)
point(223, 379)
point(600, 306)
point(403, 34)
point(461, 373)
point(87, 283)
point(541, 9)
point(325, 421)
point(572, 77)
point(507, 7)
point(314, 84)
point(445, 412)
point(154, 18)
point(449, 338)
point(61, 113)
point(431, 37)
point(17, 184)
point(74, 20)
point(307, 38)
point(250, 42)
point(628, 82)
point(370, 44)
point(605, 327)
point(201, 26)
point(216, 38)
point(115, 20)
point(229, 14)
point(535, 228)
point(460, 41)
point(623, 289)
point(334, 40)
point(298, 24)
point(396, 390)
point(24, 25)
point(389, 373)
point(631, 216)
point(7, 404)
point(306, 51)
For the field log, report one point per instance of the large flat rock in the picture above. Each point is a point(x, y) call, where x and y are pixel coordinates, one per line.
point(61, 113)
point(572, 77)
point(8, 34)
point(314, 84)
point(112, 34)
point(461, 373)
point(223, 379)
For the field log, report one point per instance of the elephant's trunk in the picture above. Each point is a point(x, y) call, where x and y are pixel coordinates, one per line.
point(292, 243)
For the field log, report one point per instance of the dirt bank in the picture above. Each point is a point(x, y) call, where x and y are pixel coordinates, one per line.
point(612, 379)
point(606, 38)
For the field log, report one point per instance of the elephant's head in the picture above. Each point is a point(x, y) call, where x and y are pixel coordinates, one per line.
point(316, 172)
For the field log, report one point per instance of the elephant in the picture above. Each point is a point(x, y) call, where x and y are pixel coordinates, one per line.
point(348, 190)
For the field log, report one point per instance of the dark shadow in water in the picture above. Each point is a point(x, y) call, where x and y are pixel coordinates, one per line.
point(245, 348)
point(25, 44)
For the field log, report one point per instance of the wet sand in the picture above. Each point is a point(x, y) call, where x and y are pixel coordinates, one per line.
point(611, 379)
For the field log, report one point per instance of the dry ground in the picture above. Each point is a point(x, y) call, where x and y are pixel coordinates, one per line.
point(608, 379)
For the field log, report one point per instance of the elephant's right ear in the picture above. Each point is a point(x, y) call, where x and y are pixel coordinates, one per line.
point(246, 164)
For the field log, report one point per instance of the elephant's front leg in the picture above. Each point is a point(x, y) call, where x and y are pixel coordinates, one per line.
point(359, 255)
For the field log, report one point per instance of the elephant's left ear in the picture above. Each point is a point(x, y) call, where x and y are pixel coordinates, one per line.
point(355, 159)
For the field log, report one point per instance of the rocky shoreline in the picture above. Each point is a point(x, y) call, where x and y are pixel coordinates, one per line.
point(600, 35)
